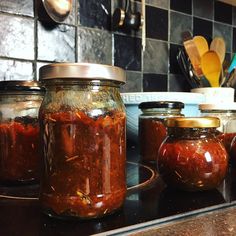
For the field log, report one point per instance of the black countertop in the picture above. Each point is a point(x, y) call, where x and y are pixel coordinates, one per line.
point(152, 201)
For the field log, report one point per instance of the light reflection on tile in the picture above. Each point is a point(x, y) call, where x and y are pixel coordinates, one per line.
point(56, 43)
point(94, 46)
point(17, 37)
point(22, 7)
point(16, 70)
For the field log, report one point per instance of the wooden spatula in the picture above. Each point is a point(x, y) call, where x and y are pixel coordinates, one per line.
point(192, 52)
point(211, 67)
point(218, 45)
point(201, 43)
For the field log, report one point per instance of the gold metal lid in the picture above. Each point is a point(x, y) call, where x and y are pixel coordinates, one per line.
point(82, 71)
point(193, 122)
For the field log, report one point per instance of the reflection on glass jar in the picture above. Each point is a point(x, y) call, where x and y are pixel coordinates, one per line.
point(83, 130)
point(20, 156)
point(192, 158)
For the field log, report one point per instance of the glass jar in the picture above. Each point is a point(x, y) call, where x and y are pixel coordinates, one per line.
point(152, 130)
point(226, 112)
point(192, 158)
point(84, 136)
point(20, 157)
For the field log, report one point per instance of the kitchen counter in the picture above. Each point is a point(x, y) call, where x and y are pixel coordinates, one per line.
point(147, 207)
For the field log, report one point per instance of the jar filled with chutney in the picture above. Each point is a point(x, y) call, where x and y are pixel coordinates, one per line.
point(20, 150)
point(192, 158)
point(226, 112)
point(152, 130)
point(84, 137)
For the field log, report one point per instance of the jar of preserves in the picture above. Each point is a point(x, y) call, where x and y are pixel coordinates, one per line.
point(192, 158)
point(20, 157)
point(226, 112)
point(84, 136)
point(152, 130)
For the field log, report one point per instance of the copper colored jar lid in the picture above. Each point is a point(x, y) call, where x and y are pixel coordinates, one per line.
point(82, 71)
point(193, 122)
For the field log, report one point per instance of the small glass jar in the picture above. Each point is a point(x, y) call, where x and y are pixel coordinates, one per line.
point(20, 156)
point(192, 158)
point(84, 136)
point(152, 130)
point(226, 112)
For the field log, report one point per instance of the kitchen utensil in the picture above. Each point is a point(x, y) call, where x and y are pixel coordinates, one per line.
point(192, 51)
point(186, 69)
point(232, 64)
point(218, 45)
point(201, 43)
point(211, 67)
point(58, 10)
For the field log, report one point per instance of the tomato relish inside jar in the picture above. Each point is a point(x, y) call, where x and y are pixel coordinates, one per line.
point(192, 158)
point(20, 150)
point(152, 130)
point(83, 132)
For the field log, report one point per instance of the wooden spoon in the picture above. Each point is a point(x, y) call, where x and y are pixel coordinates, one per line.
point(211, 67)
point(201, 44)
point(218, 45)
point(194, 56)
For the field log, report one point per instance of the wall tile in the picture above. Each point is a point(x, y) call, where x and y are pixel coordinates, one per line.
point(156, 23)
point(17, 37)
point(159, 3)
point(94, 46)
point(178, 24)
point(38, 65)
point(225, 31)
point(234, 16)
point(127, 52)
point(223, 12)
point(133, 82)
point(234, 40)
point(178, 83)
point(203, 8)
point(16, 70)
point(95, 13)
point(154, 83)
point(202, 27)
point(56, 43)
point(181, 5)
point(21, 7)
point(156, 57)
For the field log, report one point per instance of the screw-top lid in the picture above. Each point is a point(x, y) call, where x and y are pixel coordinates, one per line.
point(16, 85)
point(218, 106)
point(161, 104)
point(193, 122)
point(82, 71)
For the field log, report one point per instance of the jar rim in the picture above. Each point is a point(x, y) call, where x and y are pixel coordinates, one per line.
point(161, 104)
point(218, 106)
point(82, 71)
point(22, 85)
point(193, 122)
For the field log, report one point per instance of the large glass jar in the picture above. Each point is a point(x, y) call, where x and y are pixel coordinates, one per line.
point(84, 137)
point(192, 158)
point(152, 130)
point(226, 112)
point(20, 156)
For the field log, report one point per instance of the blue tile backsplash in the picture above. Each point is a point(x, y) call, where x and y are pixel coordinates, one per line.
point(26, 43)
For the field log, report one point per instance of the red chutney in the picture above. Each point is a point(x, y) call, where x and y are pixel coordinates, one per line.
point(152, 132)
point(192, 159)
point(85, 159)
point(226, 139)
point(19, 151)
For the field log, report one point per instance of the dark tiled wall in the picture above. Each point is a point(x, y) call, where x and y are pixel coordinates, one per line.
point(26, 43)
